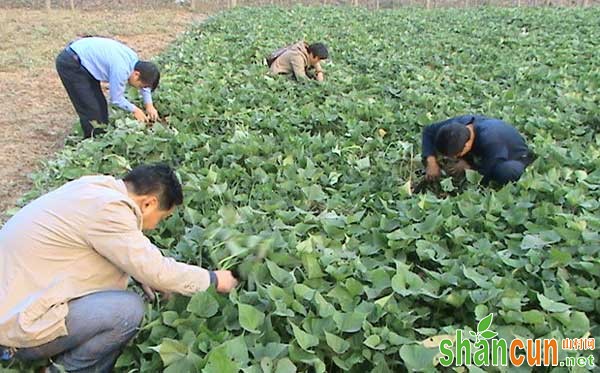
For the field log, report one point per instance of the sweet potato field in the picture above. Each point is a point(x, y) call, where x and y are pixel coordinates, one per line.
point(308, 191)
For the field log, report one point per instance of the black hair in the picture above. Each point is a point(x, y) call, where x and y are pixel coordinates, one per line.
point(158, 179)
point(450, 140)
point(149, 73)
point(319, 50)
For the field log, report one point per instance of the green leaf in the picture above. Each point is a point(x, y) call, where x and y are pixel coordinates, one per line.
point(431, 223)
point(481, 310)
point(169, 317)
point(229, 215)
point(304, 291)
point(576, 325)
point(337, 344)
point(418, 358)
point(406, 282)
point(349, 322)
point(447, 185)
point(305, 340)
point(182, 365)
point(266, 365)
point(203, 304)
point(552, 306)
point(170, 351)
point(539, 241)
point(285, 366)
point(372, 341)
point(534, 317)
point(271, 350)
point(312, 266)
point(219, 362)
point(237, 349)
point(363, 163)
point(324, 308)
point(478, 279)
point(280, 275)
point(314, 193)
point(250, 318)
point(473, 177)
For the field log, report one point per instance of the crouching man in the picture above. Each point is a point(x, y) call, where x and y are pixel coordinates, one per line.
point(492, 147)
point(297, 59)
point(67, 257)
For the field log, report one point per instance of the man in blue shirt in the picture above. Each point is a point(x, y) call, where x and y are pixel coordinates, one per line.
point(492, 147)
point(91, 60)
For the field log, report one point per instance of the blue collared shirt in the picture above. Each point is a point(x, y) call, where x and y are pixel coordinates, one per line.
point(113, 62)
point(495, 141)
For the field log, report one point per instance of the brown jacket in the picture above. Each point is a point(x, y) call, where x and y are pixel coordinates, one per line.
point(81, 238)
point(293, 60)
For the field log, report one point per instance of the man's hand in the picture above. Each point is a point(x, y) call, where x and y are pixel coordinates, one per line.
point(152, 112)
point(432, 171)
point(151, 295)
point(225, 281)
point(139, 115)
point(320, 76)
point(459, 167)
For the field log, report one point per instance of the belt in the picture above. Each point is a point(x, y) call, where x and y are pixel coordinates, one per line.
point(72, 53)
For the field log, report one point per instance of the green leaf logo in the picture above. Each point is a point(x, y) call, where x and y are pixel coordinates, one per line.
point(485, 323)
point(483, 326)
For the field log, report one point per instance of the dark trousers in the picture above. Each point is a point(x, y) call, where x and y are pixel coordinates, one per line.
point(511, 170)
point(84, 91)
point(99, 327)
point(507, 171)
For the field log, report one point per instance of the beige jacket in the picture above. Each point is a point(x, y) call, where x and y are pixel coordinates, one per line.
point(293, 60)
point(81, 238)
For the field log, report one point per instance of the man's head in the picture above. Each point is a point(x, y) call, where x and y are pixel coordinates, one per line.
point(156, 190)
point(317, 52)
point(454, 140)
point(145, 75)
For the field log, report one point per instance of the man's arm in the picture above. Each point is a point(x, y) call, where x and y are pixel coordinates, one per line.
point(298, 66)
point(432, 168)
point(115, 236)
point(116, 84)
point(146, 95)
point(150, 109)
point(428, 138)
point(319, 72)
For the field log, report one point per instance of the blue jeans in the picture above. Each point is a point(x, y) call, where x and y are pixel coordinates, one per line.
point(99, 326)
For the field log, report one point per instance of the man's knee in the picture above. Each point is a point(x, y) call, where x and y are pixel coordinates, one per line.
point(508, 171)
point(132, 311)
point(123, 314)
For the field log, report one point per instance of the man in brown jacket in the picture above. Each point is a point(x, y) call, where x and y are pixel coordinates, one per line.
point(66, 259)
point(297, 59)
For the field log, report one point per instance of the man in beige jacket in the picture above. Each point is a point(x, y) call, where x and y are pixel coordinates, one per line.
point(67, 257)
point(297, 58)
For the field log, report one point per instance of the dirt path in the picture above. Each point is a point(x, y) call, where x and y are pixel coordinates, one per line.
point(35, 112)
